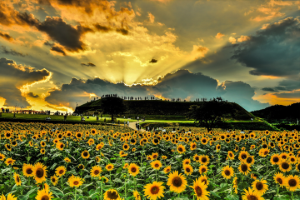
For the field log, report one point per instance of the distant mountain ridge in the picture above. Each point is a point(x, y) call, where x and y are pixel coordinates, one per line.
point(279, 112)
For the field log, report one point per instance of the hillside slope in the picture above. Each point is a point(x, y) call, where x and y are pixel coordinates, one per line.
point(159, 107)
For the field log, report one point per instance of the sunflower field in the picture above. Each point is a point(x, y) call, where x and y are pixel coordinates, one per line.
point(84, 162)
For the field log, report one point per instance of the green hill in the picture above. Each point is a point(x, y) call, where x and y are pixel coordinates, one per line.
point(280, 113)
point(159, 109)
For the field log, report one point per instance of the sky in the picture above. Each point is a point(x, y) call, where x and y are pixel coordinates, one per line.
point(55, 54)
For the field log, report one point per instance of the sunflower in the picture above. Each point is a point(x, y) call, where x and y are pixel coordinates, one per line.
point(67, 160)
point(196, 158)
point(154, 190)
point(109, 167)
point(292, 183)
point(81, 166)
point(111, 194)
point(2, 156)
point(44, 194)
point(60, 146)
point(91, 141)
point(204, 141)
point(95, 171)
point(204, 179)
point(17, 179)
point(85, 154)
point(28, 170)
point(218, 148)
point(60, 171)
point(98, 159)
point(203, 169)
point(280, 179)
point(244, 168)
point(167, 169)
point(156, 164)
point(177, 182)
point(186, 161)
point(136, 195)
point(251, 195)
point(54, 180)
point(204, 159)
point(133, 169)
point(9, 161)
point(99, 146)
point(125, 166)
point(75, 181)
point(250, 160)
point(199, 188)
point(193, 146)
point(228, 172)
point(125, 147)
point(243, 155)
point(188, 169)
point(285, 166)
point(103, 177)
point(180, 149)
point(164, 157)
point(260, 186)
point(40, 172)
point(235, 184)
point(154, 155)
point(275, 159)
point(9, 197)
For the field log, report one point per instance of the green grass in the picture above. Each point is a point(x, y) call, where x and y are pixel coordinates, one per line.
point(58, 118)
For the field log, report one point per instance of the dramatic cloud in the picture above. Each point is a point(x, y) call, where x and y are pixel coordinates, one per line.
point(274, 50)
point(13, 77)
point(153, 60)
point(58, 50)
point(11, 52)
point(30, 94)
point(6, 36)
point(89, 64)
point(181, 84)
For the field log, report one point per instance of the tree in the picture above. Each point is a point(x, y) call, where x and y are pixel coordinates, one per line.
point(210, 114)
point(112, 106)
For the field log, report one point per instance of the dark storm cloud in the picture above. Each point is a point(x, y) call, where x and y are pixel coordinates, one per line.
point(65, 34)
point(47, 43)
point(30, 94)
point(181, 84)
point(122, 31)
point(58, 50)
point(13, 76)
point(268, 89)
point(153, 60)
point(6, 36)
point(11, 52)
point(102, 28)
point(272, 51)
point(288, 95)
point(89, 64)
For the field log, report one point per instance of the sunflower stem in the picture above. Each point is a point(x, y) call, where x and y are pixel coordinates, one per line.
point(292, 195)
point(125, 187)
point(75, 192)
point(101, 189)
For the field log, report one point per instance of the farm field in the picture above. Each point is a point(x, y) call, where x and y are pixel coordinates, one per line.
point(87, 161)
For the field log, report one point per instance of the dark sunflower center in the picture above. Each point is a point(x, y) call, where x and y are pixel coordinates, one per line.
point(198, 191)
point(259, 186)
point(276, 159)
point(177, 182)
point(154, 190)
point(284, 156)
point(180, 149)
point(96, 172)
point(39, 172)
point(75, 183)
point(156, 140)
point(203, 170)
point(156, 165)
point(204, 141)
point(61, 171)
point(227, 172)
point(244, 156)
point(244, 168)
point(292, 182)
point(279, 180)
point(133, 169)
point(45, 197)
point(80, 167)
point(204, 159)
point(188, 169)
point(18, 179)
point(249, 160)
point(285, 165)
point(252, 197)
point(53, 179)
point(205, 181)
point(193, 146)
point(154, 156)
point(85, 154)
point(29, 171)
